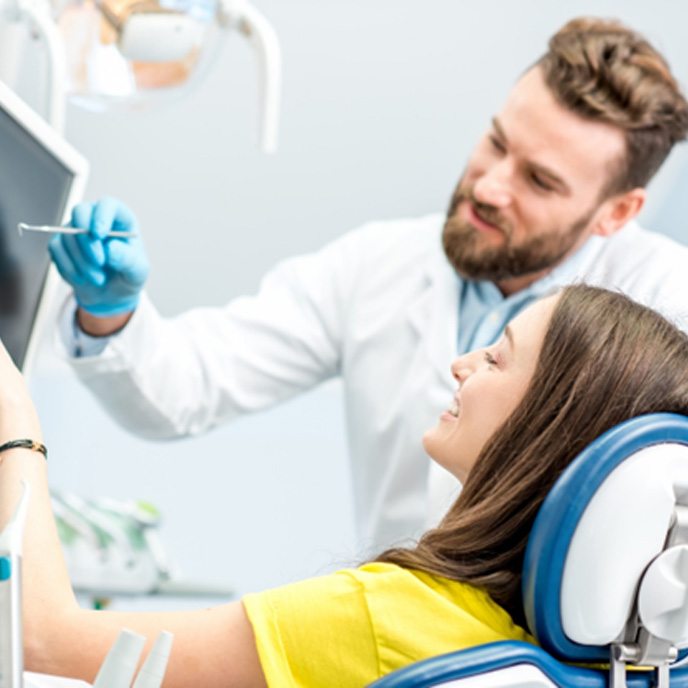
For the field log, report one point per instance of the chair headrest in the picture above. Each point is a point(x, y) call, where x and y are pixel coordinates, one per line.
point(602, 524)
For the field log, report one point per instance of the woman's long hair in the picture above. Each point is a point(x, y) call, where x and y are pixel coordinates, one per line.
point(604, 359)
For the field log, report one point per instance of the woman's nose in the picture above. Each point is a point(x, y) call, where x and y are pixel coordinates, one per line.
point(460, 368)
point(465, 365)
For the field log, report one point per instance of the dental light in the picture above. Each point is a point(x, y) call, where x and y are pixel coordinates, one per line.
point(122, 53)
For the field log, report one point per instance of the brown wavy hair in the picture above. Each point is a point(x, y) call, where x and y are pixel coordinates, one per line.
point(604, 359)
point(605, 72)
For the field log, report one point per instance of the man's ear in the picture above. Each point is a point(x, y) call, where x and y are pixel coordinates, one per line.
point(618, 210)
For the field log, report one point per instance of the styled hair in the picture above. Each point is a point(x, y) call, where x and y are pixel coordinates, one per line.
point(605, 72)
point(604, 359)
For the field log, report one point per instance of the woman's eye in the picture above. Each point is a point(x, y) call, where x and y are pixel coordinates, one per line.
point(490, 359)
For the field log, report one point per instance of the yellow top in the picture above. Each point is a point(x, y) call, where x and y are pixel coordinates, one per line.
point(349, 628)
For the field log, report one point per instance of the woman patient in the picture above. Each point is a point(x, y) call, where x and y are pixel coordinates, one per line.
point(565, 370)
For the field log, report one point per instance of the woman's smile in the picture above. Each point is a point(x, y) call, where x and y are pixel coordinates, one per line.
point(455, 408)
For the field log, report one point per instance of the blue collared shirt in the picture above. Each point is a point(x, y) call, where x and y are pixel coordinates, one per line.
point(484, 311)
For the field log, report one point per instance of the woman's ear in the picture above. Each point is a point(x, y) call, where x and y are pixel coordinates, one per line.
point(618, 210)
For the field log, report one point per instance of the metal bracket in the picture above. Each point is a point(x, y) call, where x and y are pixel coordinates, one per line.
point(619, 655)
point(647, 651)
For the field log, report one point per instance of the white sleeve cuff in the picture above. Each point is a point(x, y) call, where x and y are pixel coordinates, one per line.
point(77, 343)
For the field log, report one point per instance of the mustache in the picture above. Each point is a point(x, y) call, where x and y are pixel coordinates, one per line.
point(485, 211)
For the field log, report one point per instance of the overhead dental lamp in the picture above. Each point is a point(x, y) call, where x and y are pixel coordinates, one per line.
point(114, 53)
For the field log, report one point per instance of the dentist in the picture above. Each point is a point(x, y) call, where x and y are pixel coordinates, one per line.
point(547, 198)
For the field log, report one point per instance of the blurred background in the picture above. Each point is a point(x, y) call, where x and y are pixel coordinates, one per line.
point(382, 103)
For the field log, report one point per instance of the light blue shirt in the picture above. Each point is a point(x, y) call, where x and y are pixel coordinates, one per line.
point(484, 311)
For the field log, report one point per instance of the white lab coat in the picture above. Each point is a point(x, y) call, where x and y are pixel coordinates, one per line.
point(378, 307)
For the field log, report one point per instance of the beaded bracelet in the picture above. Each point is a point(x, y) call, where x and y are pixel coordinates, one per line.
point(25, 444)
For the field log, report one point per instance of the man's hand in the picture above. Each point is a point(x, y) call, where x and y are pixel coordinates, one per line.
point(106, 273)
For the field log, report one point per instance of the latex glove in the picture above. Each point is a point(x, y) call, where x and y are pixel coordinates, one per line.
point(107, 274)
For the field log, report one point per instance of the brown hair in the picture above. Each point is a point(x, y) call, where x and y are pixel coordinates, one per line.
point(603, 71)
point(604, 359)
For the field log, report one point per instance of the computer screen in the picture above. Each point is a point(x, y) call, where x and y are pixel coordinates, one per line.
point(40, 178)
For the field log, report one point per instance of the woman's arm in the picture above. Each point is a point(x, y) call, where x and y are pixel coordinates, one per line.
point(212, 648)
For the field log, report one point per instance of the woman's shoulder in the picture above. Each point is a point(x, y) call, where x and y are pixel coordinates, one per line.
point(381, 574)
point(458, 599)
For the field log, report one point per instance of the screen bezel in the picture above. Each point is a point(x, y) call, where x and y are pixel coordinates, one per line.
point(56, 146)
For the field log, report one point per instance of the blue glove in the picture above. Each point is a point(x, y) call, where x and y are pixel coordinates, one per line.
point(107, 273)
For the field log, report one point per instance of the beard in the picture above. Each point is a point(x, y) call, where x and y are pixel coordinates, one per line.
point(468, 255)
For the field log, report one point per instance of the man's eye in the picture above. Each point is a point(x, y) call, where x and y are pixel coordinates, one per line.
point(497, 144)
point(540, 182)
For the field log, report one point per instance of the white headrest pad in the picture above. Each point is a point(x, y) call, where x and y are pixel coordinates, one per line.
point(622, 529)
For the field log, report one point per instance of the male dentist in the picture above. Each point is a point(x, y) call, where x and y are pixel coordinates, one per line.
point(547, 198)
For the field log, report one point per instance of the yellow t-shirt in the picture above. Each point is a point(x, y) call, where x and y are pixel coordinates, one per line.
point(349, 628)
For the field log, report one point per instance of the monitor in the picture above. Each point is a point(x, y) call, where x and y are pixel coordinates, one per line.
point(41, 178)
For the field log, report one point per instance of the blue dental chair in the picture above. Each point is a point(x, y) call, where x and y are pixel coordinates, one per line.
point(605, 575)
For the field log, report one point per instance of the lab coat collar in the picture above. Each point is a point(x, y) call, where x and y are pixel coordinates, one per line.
point(434, 313)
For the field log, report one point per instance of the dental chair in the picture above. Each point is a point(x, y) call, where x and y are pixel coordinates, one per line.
point(605, 575)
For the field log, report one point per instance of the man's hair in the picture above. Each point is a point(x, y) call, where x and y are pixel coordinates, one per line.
point(604, 359)
point(605, 72)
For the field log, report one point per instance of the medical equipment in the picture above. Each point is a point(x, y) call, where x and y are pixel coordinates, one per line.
point(55, 229)
point(119, 666)
point(113, 548)
point(109, 53)
point(32, 680)
point(153, 670)
point(11, 634)
point(605, 576)
point(41, 178)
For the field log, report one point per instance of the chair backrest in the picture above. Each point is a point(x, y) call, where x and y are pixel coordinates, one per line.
point(605, 577)
point(607, 559)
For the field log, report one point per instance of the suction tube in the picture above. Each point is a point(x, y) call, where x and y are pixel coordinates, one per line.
point(11, 635)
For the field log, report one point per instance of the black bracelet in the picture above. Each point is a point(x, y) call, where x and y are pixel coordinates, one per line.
point(25, 444)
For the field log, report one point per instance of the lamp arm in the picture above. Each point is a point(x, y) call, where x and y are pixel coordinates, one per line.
point(243, 16)
point(12, 39)
point(36, 13)
point(39, 15)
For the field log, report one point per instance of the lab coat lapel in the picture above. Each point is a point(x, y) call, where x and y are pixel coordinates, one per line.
point(434, 314)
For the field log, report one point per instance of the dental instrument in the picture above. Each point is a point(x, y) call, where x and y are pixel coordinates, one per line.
point(153, 670)
point(11, 637)
point(55, 229)
point(119, 665)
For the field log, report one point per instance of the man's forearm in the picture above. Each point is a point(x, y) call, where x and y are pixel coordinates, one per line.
point(101, 327)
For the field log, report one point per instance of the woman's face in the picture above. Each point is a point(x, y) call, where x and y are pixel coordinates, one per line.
point(491, 384)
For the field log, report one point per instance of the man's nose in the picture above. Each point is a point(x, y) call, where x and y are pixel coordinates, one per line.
point(494, 186)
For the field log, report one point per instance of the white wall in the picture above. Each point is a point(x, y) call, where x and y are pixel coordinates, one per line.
point(383, 100)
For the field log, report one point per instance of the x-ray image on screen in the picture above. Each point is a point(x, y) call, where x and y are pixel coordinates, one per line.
point(34, 188)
